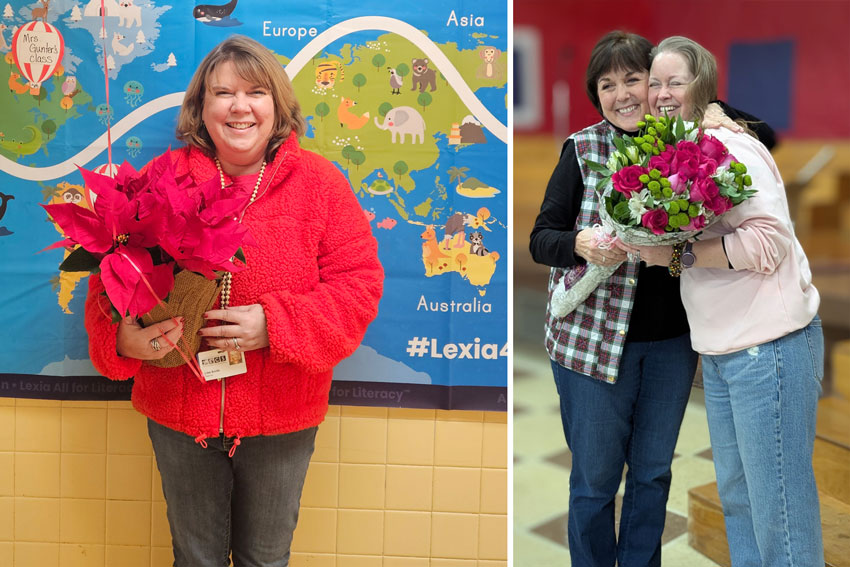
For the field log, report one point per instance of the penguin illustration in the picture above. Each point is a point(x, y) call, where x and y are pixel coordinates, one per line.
point(211, 12)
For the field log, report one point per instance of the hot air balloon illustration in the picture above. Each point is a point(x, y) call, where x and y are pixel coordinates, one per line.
point(37, 48)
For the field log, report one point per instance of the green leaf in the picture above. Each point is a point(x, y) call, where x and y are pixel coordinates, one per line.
point(80, 260)
point(618, 143)
point(597, 167)
point(621, 212)
point(680, 128)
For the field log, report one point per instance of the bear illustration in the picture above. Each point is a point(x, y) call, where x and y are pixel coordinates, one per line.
point(423, 75)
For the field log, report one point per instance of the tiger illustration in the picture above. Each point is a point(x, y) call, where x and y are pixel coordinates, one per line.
point(328, 73)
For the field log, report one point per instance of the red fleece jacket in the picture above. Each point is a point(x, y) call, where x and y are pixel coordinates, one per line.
point(317, 275)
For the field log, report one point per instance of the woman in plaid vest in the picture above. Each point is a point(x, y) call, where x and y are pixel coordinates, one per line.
point(622, 361)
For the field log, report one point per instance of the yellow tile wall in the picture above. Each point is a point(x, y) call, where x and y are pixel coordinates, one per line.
point(386, 488)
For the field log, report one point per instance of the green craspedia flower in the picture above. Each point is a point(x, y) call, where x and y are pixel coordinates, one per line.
point(665, 182)
point(667, 192)
point(748, 181)
point(641, 124)
point(656, 194)
point(740, 168)
point(693, 211)
point(673, 208)
point(639, 140)
point(655, 151)
point(683, 204)
point(673, 221)
point(661, 145)
point(646, 148)
point(739, 180)
point(654, 186)
point(649, 139)
point(683, 219)
point(649, 118)
point(669, 228)
point(644, 179)
point(655, 174)
point(651, 131)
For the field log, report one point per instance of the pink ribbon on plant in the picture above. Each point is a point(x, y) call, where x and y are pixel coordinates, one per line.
point(190, 360)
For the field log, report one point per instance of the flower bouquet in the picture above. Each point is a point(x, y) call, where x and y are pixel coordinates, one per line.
point(145, 229)
point(661, 187)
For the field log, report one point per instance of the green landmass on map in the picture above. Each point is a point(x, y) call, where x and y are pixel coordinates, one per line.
point(360, 147)
point(31, 122)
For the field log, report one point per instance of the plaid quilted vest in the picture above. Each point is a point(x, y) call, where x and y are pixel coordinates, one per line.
point(590, 340)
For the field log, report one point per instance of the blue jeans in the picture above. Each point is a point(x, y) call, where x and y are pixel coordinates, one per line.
point(247, 505)
point(761, 404)
point(635, 422)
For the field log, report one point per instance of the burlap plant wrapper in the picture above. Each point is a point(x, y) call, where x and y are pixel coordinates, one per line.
point(193, 294)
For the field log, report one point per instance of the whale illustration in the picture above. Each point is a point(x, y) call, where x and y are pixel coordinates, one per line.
point(5, 201)
point(211, 12)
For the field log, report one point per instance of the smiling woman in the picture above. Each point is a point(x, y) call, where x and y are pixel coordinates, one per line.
point(310, 287)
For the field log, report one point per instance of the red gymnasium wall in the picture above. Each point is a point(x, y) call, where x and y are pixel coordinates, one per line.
point(819, 31)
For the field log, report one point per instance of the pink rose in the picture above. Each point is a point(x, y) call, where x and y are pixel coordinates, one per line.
point(655, 220)
point(661, 163)
point(713, 148)
point(687, 159)
point(718, 204)
point(697, 223)
point(627, 181)
point(727, 159)
point(704, 190)
point(677, 184)
point(707, 167)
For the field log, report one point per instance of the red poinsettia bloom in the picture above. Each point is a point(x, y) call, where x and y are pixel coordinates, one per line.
point(133, 283)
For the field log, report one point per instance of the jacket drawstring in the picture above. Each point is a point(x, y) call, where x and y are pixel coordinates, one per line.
point(236, 442)
point(201, 440)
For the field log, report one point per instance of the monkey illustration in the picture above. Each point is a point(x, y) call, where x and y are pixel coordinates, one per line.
point(490, 67)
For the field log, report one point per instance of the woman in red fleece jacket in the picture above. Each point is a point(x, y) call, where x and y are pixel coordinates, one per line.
point(312, 286)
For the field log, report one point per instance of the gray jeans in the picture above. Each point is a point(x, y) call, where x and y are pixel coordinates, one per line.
point(247, 505)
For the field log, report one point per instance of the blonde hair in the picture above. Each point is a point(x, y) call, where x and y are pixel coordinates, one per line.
point(702, 65)
point(254, 63)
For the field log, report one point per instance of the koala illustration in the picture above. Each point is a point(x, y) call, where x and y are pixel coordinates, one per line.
point(423, 75)
point(476, 246)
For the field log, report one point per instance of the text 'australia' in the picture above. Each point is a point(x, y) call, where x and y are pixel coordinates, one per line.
point(473, 306)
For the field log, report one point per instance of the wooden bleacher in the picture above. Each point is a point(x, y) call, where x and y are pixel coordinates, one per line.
point(706, 531)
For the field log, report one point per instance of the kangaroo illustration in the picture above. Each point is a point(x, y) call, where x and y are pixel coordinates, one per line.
point(431, 252)
point(119, 48)
point(15, 86)
point(348, 118)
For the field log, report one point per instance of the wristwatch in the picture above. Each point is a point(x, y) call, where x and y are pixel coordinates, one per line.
point(688, 256)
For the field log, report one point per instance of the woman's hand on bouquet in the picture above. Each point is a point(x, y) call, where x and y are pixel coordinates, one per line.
point(587, 249)
point(241, 327)
point(716, 118)
point(654, 255)
point(147, 343)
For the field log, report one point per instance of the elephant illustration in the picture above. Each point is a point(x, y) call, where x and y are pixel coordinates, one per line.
point(404, 120)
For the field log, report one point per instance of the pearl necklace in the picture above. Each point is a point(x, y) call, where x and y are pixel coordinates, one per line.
point(227, 280)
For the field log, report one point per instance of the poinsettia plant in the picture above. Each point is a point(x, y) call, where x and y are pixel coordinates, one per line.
point(145, 227)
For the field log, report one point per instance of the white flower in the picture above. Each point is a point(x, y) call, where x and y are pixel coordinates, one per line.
point(632, 153)
point(616, 161)
point(636, 204)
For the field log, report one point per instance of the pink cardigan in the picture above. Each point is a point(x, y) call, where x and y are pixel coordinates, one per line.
point(316, 274)
point(769, 293)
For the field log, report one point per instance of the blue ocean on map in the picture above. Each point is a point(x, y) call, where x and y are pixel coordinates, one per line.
point(157, 58)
